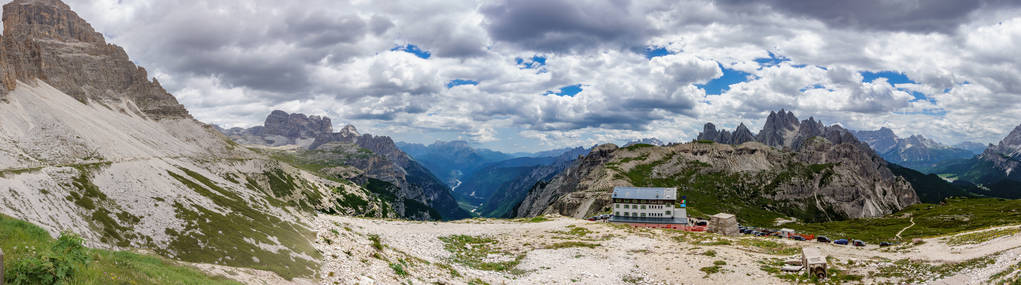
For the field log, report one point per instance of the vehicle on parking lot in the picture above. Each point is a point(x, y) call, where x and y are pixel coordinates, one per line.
point(840, 242)
point(798, 238)
point(701, 223)
point(859, 243)
point(885, 244)
point(822, 239)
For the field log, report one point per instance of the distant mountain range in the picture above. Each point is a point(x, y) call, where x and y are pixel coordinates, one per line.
point(495, 189)
point(995, 171)
point(915, 152)
point(374, 162)
point(648, 141)
point(453, 160)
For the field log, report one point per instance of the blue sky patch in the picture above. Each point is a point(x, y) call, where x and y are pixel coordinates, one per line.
point(531, 63)
point(816, 86)
point(459, 82)
point(892, 77)
point(653, 52)
point(568, 91)
point(772, 60)
point(722, 84)
point(413, 49)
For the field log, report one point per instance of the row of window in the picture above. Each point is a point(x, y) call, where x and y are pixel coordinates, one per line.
point(643, 215)
point(643, 207)
point(637, 201)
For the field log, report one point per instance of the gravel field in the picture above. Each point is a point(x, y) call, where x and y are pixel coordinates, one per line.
point(571, 251)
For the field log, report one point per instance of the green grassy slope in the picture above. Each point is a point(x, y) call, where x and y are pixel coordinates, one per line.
point(930, 188)
point(22, 241)
point(954, 215)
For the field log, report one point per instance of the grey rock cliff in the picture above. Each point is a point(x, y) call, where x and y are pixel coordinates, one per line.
point(45, 40)
point(1006, 156)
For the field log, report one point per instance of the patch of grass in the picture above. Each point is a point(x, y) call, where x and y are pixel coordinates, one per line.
point(719, 263)
point(453, 272)
point(569, 244)
point(533, 220)
point(473, 251)
point(210, 237)
point(983, 236)
point(638, 146)
point(376, 243)
point(573, 230)
point(24, 243)
point(710, 270)
point(399, 269)
point(632, 279)
point(953, 216)
point(710, 253)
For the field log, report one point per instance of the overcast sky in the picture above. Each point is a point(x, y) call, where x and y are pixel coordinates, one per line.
point(527, 75)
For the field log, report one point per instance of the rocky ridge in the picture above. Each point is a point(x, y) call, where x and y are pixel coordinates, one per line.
point(1006, 156)
point(801, 169)
point(281, 128)
point(351, 155)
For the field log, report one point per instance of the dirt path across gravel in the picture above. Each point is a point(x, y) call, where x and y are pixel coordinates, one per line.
point(906, 228)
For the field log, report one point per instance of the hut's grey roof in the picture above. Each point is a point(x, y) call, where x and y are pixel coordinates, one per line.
point(644, 193)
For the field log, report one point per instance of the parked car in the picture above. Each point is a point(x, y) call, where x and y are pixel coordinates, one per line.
point(798, 238)
point(701, 223)
point(840, 242)
point(885, 244)
point(859, 243)
point(822, 239)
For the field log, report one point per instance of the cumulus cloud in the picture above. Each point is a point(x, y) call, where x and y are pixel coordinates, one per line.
point(233, 61)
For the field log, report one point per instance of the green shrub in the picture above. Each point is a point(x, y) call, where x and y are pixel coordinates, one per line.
point(398, 269)
point(376, 243)
point(52, 266)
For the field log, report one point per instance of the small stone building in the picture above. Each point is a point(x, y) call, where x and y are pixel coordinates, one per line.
point(724, 224)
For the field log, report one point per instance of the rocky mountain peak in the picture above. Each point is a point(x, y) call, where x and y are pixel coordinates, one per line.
point(47, 19)
point(350, 130)
point(296, 125)
point(1013, 139)
point(709, 133)
point(742, 135)
point(45, 40)
point(779, 129)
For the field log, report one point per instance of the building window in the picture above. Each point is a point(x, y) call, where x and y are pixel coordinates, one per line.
point(667, 213)
point(616, 206)
point(643, 207)
point(616, 214)
point(643, 215)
